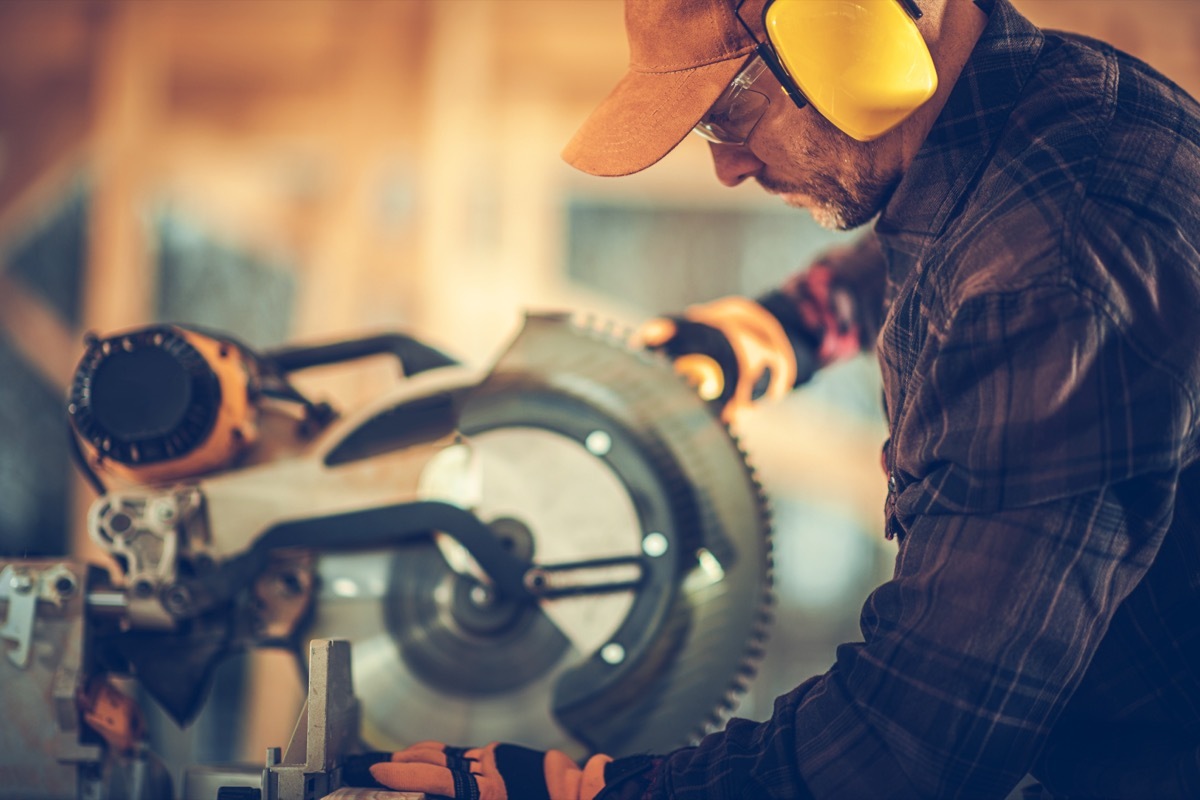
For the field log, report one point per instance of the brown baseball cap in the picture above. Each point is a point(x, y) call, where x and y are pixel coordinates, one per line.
point(682, 55)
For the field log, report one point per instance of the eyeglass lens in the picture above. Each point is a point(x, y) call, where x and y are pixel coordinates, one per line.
point(739, 108)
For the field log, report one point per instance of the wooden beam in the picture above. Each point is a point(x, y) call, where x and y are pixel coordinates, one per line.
point(43, 132)
point(37, 332)
point(128, 93)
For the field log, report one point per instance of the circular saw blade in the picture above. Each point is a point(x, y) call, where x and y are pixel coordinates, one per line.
point(587, 449)
point(434, 653)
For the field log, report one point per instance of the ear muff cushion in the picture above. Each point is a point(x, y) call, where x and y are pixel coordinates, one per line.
point(861, 63)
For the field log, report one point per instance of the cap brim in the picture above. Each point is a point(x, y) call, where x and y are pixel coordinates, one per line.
point(646, 116)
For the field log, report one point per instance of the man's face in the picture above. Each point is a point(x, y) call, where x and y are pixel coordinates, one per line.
point(798, 155)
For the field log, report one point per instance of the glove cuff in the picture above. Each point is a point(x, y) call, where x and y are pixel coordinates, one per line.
point(523, 767)
point(804, 341)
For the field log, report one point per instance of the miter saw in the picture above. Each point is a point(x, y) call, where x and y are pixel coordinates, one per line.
point(566, 549)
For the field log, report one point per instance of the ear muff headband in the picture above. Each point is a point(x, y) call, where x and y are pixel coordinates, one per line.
point(861, 63)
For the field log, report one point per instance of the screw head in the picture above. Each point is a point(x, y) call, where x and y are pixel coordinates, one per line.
point(598, 443)
point(654, 544)
point(480, 595)
point(178, 599)
point(64, 585)
point(612, 653)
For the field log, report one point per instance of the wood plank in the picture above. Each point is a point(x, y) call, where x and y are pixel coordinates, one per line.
point(38, 333)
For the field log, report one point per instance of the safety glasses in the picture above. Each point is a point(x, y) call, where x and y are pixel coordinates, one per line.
point(732, 118)
point(738, 110)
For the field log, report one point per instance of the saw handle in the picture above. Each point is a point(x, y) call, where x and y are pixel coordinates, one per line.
point(414, 356)
point(735, 351)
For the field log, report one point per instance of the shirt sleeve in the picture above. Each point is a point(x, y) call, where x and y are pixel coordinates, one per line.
point(1037, 456)
point(839, 299)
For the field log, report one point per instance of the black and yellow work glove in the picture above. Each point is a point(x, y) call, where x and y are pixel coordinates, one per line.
point(500, 772)
point(735, 350)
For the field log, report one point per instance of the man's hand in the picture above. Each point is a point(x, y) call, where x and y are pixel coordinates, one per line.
point(500, 772)
point(734, 350)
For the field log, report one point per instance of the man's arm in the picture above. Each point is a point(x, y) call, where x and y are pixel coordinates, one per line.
point(838, 299)
point(738, 351)
point(1037, 456)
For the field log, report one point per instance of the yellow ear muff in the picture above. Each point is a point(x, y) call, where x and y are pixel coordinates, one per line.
point(861, 63)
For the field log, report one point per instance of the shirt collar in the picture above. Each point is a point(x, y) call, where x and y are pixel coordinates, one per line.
point(963, 136)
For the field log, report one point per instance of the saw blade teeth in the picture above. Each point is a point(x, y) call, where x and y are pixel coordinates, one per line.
point(604, 328)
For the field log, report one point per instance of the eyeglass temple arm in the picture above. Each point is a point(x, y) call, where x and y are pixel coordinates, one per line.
point(767, 54)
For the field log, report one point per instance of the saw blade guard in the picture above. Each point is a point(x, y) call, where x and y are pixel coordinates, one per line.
point(601, 466)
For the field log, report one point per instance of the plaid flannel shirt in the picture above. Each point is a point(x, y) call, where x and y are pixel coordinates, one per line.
point(1040, 348)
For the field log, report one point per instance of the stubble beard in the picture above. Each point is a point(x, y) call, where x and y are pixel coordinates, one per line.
point(838, 204)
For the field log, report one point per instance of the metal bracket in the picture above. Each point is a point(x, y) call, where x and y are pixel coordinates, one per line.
point(326, 731)
point(20, 589)
point(23, 588)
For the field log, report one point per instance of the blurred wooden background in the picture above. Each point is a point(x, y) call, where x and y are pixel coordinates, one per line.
point(398, 161)
point(402, 155)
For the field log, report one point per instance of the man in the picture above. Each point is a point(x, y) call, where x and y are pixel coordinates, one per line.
point(1037, 249)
